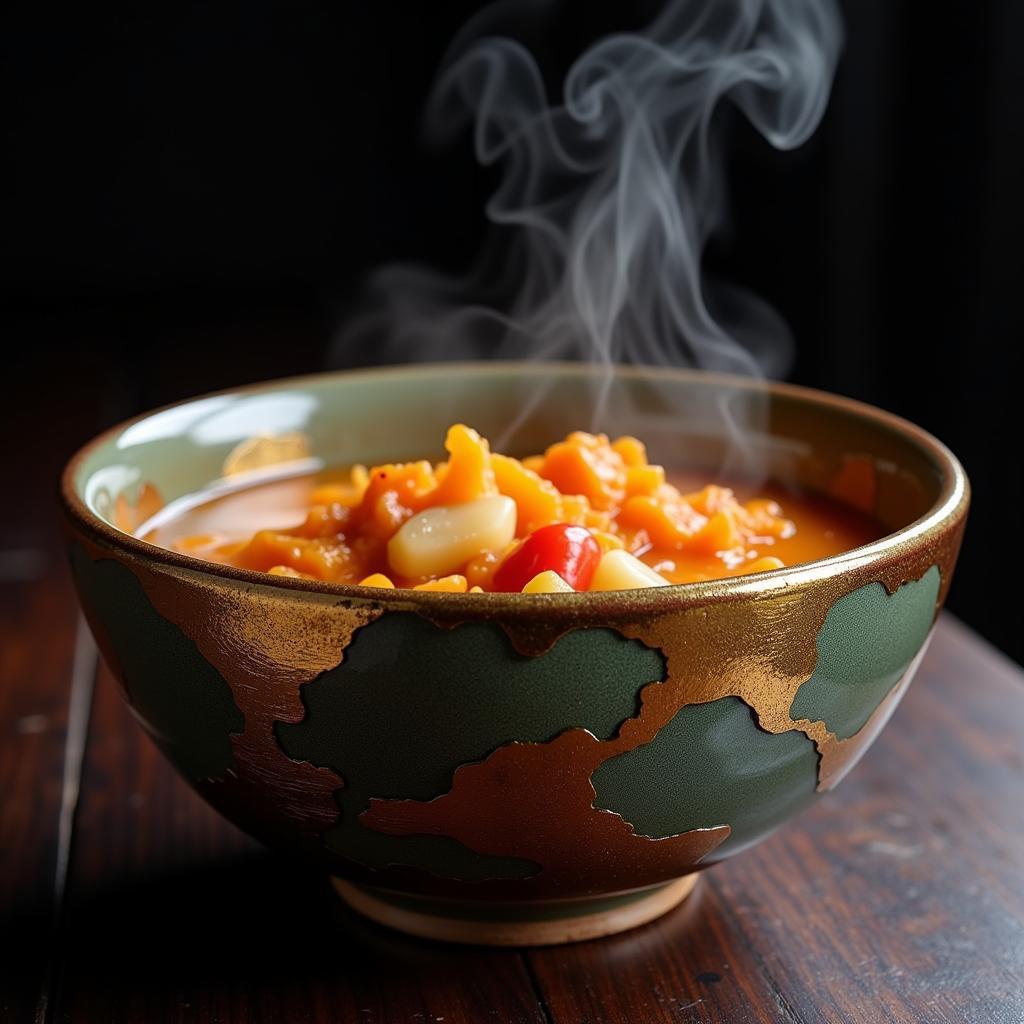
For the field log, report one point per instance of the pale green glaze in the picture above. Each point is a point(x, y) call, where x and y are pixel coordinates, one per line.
point(711, 765)
point(386, 416)
point(866, 644)
point(184, 702)
point(412, 702)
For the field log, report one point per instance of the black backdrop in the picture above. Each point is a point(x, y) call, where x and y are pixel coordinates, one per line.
point(191, 191)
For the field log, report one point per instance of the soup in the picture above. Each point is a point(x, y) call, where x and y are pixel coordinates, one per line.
point(587, 514)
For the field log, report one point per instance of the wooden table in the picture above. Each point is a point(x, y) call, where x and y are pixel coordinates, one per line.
point(123, 897)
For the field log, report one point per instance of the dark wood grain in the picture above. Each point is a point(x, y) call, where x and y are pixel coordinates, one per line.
point(47, 662)
point(37, 655)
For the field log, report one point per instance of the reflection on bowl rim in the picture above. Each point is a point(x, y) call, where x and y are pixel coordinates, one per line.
point(952, 500)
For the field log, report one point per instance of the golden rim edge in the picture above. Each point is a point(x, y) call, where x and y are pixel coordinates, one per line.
point(950, 506)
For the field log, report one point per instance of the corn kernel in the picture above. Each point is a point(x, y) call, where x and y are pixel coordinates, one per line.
point(548, 582)
point(446, 584)
point(377, 579)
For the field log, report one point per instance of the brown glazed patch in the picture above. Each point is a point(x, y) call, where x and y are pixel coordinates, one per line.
point(504, 803)
point(265, 646)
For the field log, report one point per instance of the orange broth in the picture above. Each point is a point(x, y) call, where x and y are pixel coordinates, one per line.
point(337, 525)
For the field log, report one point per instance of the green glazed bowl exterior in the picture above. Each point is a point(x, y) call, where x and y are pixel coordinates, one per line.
point(501, 747)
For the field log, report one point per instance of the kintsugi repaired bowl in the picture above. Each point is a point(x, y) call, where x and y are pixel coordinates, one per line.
point(510, 768)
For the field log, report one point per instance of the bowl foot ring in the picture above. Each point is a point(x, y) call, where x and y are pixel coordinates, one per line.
point(542, 923)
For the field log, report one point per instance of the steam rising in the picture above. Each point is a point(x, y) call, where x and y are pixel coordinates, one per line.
point(608, 195)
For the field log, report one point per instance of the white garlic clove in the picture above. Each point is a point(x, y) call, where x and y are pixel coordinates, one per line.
point(440, 540)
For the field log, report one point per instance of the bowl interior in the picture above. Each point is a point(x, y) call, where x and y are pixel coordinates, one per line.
point(688, 421)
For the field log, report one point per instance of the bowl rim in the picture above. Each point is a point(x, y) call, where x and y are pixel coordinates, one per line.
point(949, 507)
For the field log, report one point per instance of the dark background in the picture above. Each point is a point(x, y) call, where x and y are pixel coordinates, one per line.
point(191, 193)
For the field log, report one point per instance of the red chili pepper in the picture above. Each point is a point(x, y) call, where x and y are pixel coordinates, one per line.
point(571, 551)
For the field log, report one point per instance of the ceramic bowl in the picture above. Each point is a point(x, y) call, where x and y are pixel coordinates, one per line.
point(513, 768)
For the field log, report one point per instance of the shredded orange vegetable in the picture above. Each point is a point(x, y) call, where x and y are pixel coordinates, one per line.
point(452, 525)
